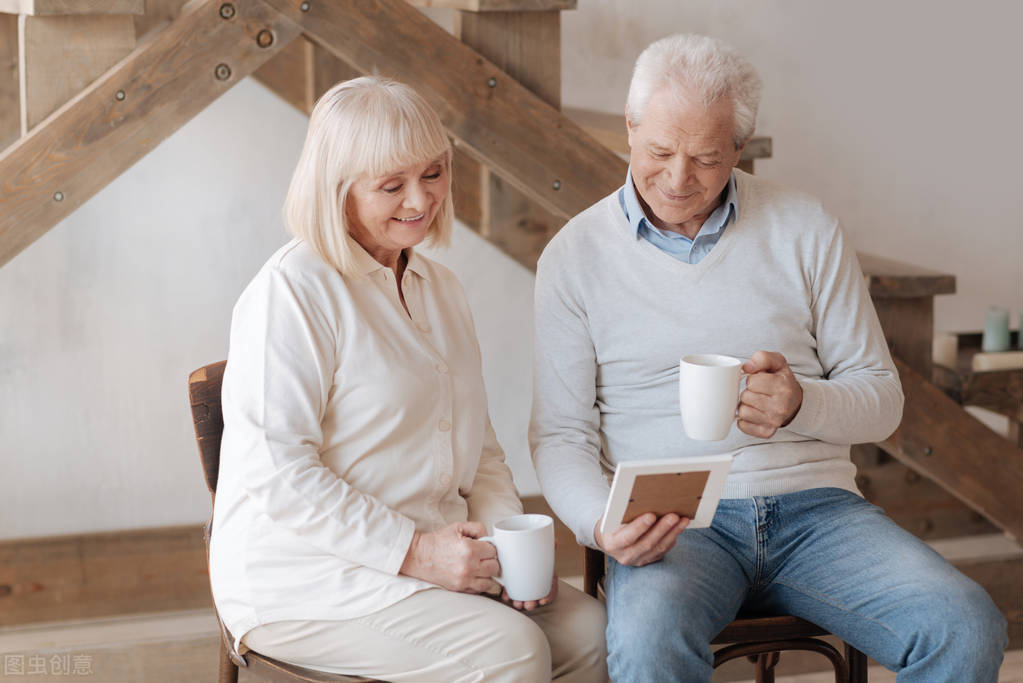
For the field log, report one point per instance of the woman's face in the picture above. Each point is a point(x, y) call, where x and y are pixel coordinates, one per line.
point(393, 212)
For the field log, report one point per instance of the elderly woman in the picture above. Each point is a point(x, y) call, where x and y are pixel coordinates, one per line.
point(358, 464)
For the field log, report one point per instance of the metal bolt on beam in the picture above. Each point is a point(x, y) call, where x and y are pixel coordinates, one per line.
point(304, 6)
point(556, 185)
point(58, 196)
point(119, 96)
point(222, 72)
point(227, 10)
point(928, 451)
point(492, 82)
point(265, 38)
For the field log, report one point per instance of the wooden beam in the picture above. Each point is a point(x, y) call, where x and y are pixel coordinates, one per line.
point(10, 107)
point(507, 127)
point(158, 14)
point(61, 55)
point(942, 442)
point(68, 7)
point(498, 5)
point(91, 575)
point(526, 46)
point(289, 74)
point(895, 279)
point(98, 135)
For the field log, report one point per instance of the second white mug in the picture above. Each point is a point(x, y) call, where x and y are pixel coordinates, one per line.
point(708, 394)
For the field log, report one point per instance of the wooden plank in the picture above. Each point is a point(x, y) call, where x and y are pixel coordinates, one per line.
point(91, 575)
point(917, 504)
point(498, 5)
point(289, 74)
point(526, 46)
point(328, 71)
point(10, 107)
point(610, 130)
point(908, 325)
point(507, 127)
point(69, 7)
point(890, 278)
point(61, 55)
point(96, 136)
point(469, 189)
point(158, 14)
point(942, 442)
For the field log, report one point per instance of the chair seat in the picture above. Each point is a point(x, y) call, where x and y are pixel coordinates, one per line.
point(274, 670)
point(762, 628)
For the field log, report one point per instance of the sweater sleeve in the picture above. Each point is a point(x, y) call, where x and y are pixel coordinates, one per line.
point(280, 370)
point(564, 430)
point(859, 397)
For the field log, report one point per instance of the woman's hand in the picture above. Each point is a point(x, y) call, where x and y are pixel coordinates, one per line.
point(529, 605)
point(452, 558)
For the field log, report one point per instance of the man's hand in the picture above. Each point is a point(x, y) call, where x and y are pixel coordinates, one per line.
point(644, 540)
point(451, 558)
point(772, 396)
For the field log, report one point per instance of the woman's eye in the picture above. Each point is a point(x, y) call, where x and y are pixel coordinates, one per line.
point(432, 176)
point(391, 190)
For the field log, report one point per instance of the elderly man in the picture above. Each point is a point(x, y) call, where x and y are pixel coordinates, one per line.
point(693, 256)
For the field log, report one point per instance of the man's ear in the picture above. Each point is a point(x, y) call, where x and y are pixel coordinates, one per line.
point(629, 127)
point(738, 150)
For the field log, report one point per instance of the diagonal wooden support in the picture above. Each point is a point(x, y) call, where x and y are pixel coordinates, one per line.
point(500, 122)
point(941, 441)
point(129, 110)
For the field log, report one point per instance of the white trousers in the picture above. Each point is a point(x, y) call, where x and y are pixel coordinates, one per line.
point(448, 637)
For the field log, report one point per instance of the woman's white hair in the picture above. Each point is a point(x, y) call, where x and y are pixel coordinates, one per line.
point(363, 128)
point(697, 66)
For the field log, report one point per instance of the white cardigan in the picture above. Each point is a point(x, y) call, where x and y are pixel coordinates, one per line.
point(348, 424)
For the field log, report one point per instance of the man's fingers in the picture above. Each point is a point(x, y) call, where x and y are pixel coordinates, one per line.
point(755, 429)
point(633, 531)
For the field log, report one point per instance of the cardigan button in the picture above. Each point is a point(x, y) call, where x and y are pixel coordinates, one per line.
point(444, 426)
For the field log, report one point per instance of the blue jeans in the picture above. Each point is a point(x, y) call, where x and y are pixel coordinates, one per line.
point(825, 555)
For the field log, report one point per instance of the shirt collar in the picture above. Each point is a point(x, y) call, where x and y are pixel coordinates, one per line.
point(629, 200)
point(366, 264)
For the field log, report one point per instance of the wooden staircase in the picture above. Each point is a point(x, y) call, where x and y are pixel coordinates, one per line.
point(522, 167)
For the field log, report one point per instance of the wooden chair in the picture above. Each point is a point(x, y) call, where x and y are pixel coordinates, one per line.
point(208, 419)
point(760, 638)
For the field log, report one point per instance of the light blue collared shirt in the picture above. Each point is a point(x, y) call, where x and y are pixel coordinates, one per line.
point(672, 243)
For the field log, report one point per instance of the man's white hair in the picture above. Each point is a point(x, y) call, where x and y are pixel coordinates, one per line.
point(697, 66)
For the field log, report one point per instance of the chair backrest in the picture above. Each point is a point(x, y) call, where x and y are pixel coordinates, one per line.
point(208, 417)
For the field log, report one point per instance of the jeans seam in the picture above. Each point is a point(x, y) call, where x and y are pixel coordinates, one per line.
point(824, 599)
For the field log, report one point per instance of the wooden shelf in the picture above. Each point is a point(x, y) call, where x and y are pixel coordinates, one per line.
point(998, 390)
point(895, 279)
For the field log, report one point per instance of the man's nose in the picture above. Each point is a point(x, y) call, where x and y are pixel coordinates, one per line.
point(680, 168)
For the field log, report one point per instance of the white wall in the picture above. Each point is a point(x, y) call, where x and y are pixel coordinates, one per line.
point(899, 115)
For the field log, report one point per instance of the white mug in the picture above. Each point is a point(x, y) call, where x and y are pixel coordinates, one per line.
point(525, 549)
point(708, 394)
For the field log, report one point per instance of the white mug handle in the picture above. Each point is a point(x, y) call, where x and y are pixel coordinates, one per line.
point(491, 541)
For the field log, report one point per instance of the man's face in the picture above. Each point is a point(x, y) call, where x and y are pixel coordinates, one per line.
point(682, 155)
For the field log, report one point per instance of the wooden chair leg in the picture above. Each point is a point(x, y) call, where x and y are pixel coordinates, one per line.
point(857, 664)
point(228, 670)
point(765, 667)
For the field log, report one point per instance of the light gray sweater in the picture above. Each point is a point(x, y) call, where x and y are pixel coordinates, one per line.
point(614, 314)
